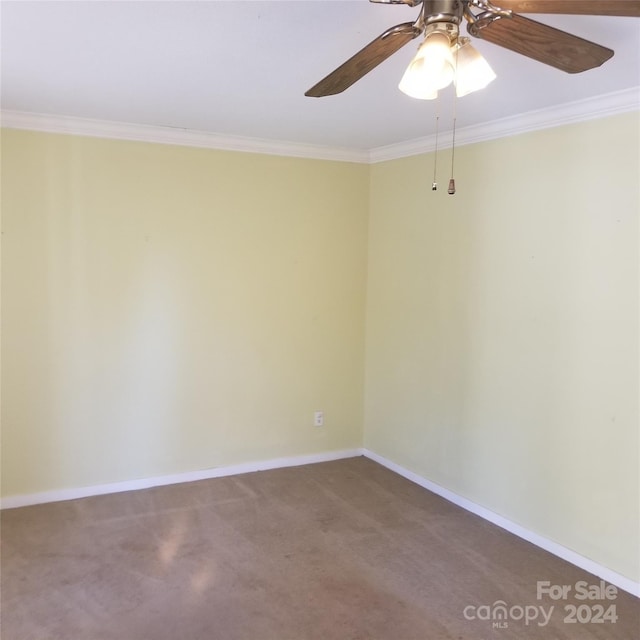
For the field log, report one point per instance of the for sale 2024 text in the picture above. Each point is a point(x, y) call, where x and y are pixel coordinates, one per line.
point(589, 612)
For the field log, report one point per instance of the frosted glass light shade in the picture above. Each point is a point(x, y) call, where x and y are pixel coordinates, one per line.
point(473, 71)
point(431, 69)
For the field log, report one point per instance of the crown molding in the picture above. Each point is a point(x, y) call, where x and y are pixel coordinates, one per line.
point(174, 136)
point(564, 114)
point(580, 111)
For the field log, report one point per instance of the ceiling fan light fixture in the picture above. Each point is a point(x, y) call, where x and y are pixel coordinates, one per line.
point(472, 70)
point(431, 69)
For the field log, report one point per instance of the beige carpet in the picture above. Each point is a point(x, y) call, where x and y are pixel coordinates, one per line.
point(341, 550)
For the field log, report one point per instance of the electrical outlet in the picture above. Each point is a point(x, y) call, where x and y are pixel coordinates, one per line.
point(318, 419)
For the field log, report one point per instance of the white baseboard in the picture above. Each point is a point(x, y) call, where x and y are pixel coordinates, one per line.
point(620, 581)
point(12, 502)
point(556, 549)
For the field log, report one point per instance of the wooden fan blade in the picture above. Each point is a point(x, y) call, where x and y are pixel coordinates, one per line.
point(365, 60)
point(411, 3)
point(543, 43)
point(574, 7)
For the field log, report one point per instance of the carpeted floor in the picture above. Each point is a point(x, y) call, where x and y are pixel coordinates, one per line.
point(343, 550)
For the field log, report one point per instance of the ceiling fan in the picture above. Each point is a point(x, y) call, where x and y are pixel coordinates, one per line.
point(497, 24)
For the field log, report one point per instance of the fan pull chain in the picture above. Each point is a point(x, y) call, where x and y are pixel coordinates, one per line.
point(434, 184)
point(452, 183)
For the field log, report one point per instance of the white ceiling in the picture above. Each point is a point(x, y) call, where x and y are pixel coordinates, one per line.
point(240, 68)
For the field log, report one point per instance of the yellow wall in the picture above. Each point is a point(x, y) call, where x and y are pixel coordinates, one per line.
point(502, 331)
point(171, 309)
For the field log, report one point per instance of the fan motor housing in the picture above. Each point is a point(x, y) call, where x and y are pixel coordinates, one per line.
point(442, 11)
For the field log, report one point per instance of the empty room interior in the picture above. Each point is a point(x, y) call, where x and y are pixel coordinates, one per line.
point(265, 378)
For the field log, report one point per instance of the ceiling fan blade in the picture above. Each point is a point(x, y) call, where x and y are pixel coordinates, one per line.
point(411, 3)
point(574, 7)
point(543, 43)
point(365, 60)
